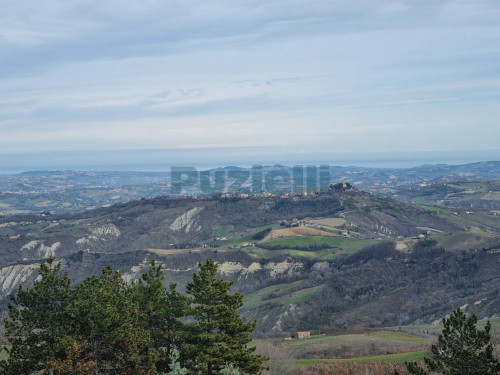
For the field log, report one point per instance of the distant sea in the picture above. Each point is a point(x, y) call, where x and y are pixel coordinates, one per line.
point(163, 160)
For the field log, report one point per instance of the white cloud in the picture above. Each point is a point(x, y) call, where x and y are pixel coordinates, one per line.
point(366, 75)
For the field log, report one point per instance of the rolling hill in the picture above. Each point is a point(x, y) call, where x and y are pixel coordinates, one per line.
point(337, 258)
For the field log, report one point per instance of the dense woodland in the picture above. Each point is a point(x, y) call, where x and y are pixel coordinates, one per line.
point(106, 326)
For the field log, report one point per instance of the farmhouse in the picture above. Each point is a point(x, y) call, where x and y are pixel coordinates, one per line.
point(303, 335)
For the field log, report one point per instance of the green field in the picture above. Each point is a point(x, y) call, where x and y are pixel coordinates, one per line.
point(476, 186)
point(397, 357)
point(435, 330)
point(282, 293)
point(381, 346)
point(391, 335)
point(435, 209)
point(305, 242)
point(346, 244)
point(222, 230)
point(419, 199)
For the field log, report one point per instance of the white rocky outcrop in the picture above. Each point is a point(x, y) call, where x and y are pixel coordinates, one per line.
point(319, 266)
point(275, 269)
point(289, 312)
point(99, 233)
point(82, 241)
point(136, 271)
point(230, 268)
point(13, 224)
point(31, 245)
point(187, 221)
point(9, 224)
point(287, 267)
point(38, 250)
point(108, 230)
point(12, 276)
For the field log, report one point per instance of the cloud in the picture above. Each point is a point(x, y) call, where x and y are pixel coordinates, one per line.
point(357, 75)
point(52, 32)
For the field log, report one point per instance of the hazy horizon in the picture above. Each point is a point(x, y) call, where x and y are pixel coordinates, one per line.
point(163, 160)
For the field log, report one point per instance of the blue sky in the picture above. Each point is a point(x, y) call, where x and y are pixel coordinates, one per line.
point(298, 76)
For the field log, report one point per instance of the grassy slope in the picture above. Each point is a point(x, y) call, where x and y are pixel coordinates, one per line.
point(436, 209)
point(436, 329)
point(382, 346)
point(281, 293)
point(400, 336)
point(397, 357)
point(222, 230)
point(307, 241)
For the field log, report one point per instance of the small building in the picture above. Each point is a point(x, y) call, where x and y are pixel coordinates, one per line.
point(303, 335)
point(287, 339)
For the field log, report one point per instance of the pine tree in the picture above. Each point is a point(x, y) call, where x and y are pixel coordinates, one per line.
point(162, 310)
point(218, 333)
point(462, 349)
point(37, 326)
point(109, 334)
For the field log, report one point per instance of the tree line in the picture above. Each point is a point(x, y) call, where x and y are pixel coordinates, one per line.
point(104, 325)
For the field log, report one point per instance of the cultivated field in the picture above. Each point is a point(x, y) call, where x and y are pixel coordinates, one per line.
point(332, 222)
point(298, 231)
point(335, 247)
point(374, 346)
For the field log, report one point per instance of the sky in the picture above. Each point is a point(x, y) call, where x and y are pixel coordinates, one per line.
point(235, 78)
